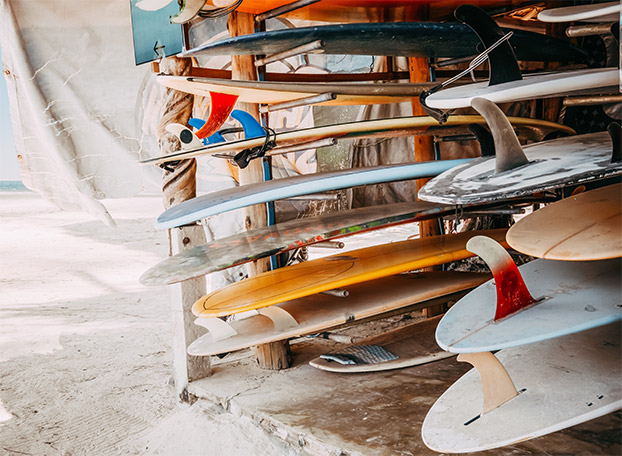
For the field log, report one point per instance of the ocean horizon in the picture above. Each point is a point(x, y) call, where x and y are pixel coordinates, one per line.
point(13, 186)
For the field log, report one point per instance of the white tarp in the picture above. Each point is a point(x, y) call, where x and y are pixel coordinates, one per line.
point(73, 90)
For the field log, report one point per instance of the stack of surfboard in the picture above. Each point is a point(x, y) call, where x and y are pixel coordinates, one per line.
point(557, 314)
point(555, 320)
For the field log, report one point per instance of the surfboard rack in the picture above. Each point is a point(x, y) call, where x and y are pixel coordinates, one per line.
point(313, 47)
point(283, 9)
point(512, 293)
point(305, 101)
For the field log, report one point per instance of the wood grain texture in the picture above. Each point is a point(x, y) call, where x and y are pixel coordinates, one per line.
point(180, 185)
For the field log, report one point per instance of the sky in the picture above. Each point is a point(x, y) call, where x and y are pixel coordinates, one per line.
point(9, 171)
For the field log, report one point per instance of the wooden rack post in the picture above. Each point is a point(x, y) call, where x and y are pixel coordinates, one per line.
point(274, 355)
point(419, 71)
point(180, 185)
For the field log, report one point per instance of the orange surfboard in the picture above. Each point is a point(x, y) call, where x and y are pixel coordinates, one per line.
point(336, 271)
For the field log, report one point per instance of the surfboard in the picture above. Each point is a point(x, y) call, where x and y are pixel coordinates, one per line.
point(582, 227)
point(262, 192)
point(422, 39)
point(315, 313)
point(270, 92)
point(539, 300)
point(360, 10)
point(274, 239)
point(517, 171)
point(271, 240)
point(411, 345)
point(542, 85)
point(598, 12)
point(335, 271)
point(530, 129)
point(561, 382)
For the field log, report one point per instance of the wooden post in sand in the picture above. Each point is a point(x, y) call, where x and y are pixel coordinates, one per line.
point(274, 355)
point(180, 185)
point(419, 70)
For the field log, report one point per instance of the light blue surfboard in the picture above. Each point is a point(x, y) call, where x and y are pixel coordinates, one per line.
point(262, 192)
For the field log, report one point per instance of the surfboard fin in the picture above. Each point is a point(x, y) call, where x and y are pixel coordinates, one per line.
point(616, 139)
point(508, 151)
point(218, 328)
point(502, 63)
point(187, 139)
point(512, 293)
point(221, 106)
point(281, 319)
point(497, 385)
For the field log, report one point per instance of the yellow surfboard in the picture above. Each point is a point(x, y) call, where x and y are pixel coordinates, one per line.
point(337, 271)
point(583, 227)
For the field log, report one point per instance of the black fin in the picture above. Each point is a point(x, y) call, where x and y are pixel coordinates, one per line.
point(503, 66)
point(616, 139)
point(484, 137)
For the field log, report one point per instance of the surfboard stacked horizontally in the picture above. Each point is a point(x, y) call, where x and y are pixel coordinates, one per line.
point(423, 39)
point(544, 316)
point(238, 197)
point(317, 312)
point(335, 271)
point(531, 129)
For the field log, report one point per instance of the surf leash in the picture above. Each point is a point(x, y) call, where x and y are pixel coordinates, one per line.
point(243, 158)
point(439, 115)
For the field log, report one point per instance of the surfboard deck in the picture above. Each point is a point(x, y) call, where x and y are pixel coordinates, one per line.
point(531, 129)
point(552, 164)
point(421, 39)
point(544, 85)
point(413, 345)
point(600, 12)
point(574, 296)
point(318, 312)
point(562, 382)
point(335, 271)
point(246, 195)
point(271, 240)
point(269, 92)
point(582, 227)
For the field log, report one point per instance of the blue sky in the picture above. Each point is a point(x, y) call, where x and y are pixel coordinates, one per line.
point(9, 170)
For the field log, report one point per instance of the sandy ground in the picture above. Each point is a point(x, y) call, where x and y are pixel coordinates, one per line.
point(85, 359)
point(85, 349)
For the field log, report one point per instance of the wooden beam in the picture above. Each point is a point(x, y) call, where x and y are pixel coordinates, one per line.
point(274, 355)
point(180, 185)
point(419, 70)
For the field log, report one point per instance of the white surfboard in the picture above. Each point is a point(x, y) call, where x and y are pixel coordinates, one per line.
point(561, 382)
point(551, 164)
point(599, 12)
point(571, 297)
point(544, 85)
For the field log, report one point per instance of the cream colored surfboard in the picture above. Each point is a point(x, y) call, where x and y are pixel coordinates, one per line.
point(587, 226)
point(318, 312)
